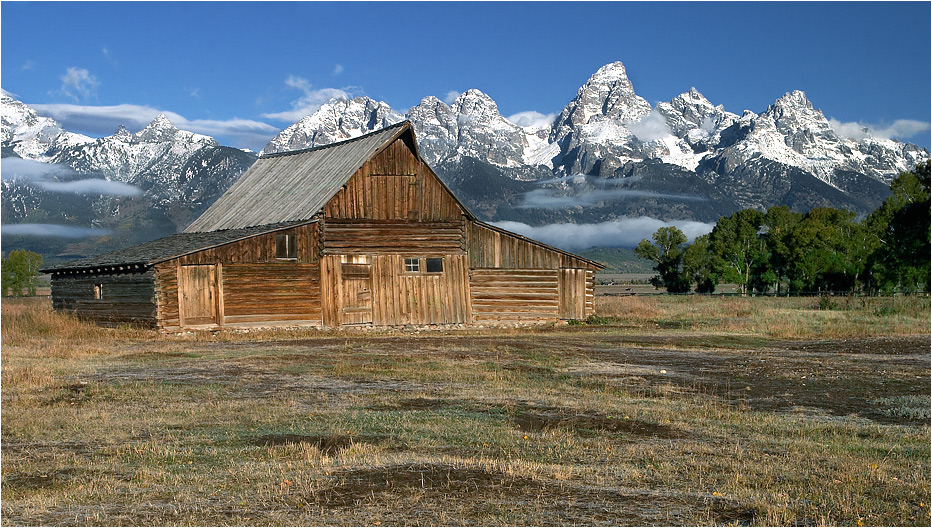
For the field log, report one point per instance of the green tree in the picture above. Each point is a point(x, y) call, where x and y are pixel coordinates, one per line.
point(824, 254)
point(700, 265)
point(667, 251)
point(20, 272)
point(735, 242)
point(777, 227)
point(898, 234)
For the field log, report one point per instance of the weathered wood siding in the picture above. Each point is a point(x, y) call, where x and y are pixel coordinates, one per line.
point(355, 237)
point(491, 248)
point(259, 248)
point(390, 295)
point(576, 293)
point(125, 297)
point(249, 294)
point(500, 295)
point(394, 185)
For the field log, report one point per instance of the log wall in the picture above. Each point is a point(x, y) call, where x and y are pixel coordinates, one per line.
point(500, 295)
point(125, 297)
point(250, 294)
point(394, 185)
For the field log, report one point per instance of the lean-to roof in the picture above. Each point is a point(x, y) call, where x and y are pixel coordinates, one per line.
point(167, 248)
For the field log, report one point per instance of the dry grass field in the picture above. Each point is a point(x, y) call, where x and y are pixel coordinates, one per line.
point(661, 411)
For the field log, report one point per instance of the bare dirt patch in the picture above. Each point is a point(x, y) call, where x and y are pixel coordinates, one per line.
point(429, 487)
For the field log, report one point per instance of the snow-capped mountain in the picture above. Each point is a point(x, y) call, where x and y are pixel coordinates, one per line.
point(669, 154)
point(608, 154)
point(137, 186)
point(27, 135)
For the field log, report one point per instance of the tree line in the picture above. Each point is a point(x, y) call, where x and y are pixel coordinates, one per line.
point(826, 249)
point(19, 273)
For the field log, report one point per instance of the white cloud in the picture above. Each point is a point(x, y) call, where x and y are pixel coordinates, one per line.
point(901, 128)
point(79, 81)
point(61, 179)
point(580, 190)
point(451, 96)
point(103, 120)
point(338, 69)
point(652, 127)
point(533, 120)
point(53, 230)
point(309, 103)
point(626, 232)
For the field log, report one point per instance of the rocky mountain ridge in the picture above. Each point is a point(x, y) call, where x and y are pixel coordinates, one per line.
point(608, 155)
point(669, 157)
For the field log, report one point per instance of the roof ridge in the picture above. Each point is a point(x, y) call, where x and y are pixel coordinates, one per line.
point(337, 143)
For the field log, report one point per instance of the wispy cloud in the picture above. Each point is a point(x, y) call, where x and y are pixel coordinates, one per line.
point(61, 179)
point(53, 230)
point(533, 120)
point(103, 120)
point(337, 69)
point(580, 190)
point(451, 96)
point(625, 232)
point(79, 82)
point(901, 129)
point(28, 65)
point(106, 52)
point(307, 104)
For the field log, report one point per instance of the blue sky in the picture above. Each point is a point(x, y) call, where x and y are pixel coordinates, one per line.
point(242, 71)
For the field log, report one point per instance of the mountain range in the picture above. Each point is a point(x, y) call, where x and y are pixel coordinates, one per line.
point(607, 156)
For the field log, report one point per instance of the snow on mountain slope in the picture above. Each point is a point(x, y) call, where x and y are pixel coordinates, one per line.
point(29, 136)
point(337, 120)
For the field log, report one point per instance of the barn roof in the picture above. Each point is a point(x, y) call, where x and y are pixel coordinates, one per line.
point(167, 248)
point(290, 186)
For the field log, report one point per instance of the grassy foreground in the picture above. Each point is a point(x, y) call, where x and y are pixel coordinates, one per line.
point(676, 411)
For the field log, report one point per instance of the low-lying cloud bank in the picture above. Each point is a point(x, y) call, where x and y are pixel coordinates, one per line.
point(53, 230)
point(625, 232)
point(49, 176)
point(587, 191)
point(900, 129)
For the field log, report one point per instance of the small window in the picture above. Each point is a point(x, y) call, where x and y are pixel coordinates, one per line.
point(434, 265)
point(412, 265)
point(286, 247)
point(98, 291)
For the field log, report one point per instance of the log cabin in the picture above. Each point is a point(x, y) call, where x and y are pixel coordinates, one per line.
point(360, 232)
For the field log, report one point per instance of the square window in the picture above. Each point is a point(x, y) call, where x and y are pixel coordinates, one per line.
point(434, 265)
point(286, 247)
point(412, 265)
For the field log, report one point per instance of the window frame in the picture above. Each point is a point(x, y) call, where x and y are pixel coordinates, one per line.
point(412, 265)
point(290, 243)
point(98, 291)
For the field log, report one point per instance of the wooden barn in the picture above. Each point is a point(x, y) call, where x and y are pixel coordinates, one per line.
point(360, 232)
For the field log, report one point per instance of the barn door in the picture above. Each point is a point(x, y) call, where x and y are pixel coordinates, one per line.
point(198, 295)
point(572, 294)
point(357, 293)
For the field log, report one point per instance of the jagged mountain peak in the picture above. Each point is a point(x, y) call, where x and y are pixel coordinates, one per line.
point(607, 95)
point(474, 101)
point(122, 133)
point(610, 73)
point(337, 119)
